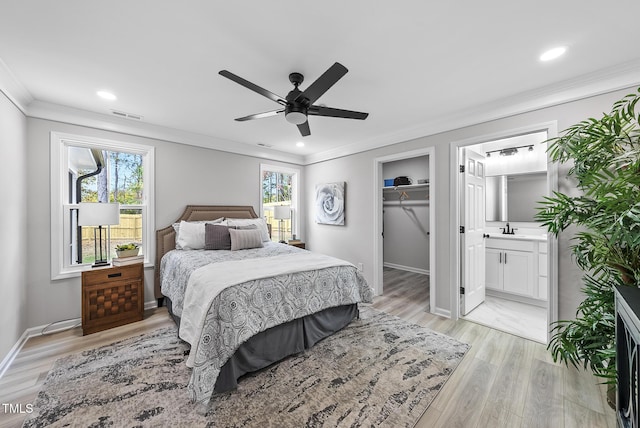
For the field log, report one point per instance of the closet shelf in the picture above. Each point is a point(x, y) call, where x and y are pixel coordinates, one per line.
point(406, 187)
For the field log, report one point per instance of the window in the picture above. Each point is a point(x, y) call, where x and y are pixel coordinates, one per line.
point(85, 169)
point(279, 187)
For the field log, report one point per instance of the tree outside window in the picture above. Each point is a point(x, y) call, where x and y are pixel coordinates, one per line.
point(119, 180)
point(277, 189)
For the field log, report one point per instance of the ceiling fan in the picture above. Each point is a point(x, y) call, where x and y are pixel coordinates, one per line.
point(299, 104)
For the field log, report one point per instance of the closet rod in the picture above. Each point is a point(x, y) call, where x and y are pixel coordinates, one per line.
point(404, 203)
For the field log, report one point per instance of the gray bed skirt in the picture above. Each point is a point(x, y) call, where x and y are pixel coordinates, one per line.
point(279, 342)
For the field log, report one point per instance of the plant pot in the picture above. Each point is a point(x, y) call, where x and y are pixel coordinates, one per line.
point(127, 253)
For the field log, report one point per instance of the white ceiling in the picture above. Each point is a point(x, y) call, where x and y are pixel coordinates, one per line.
point(416, 67)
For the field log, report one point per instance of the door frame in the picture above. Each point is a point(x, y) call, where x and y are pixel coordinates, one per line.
point(378, 181)
point(552, 243)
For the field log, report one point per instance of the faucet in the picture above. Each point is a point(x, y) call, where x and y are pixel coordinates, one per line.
point(507, 231)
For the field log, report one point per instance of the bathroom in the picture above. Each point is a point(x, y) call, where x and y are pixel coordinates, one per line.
point(516, 245)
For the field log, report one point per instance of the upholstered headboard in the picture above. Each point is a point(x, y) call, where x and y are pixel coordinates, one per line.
point(166, 238)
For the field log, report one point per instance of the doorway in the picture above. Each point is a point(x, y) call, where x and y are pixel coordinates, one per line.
point(413, 195)
point(517, 276)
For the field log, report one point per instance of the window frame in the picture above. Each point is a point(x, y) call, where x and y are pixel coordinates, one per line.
point(60, 207)
point(295, 194)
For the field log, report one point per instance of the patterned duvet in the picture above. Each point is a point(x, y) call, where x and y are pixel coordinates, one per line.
point(245, 309)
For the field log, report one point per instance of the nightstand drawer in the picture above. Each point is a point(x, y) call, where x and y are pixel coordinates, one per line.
point(105, 275)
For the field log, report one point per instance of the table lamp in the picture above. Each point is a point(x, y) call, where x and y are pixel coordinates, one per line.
point(99, 214)
point(281, 213)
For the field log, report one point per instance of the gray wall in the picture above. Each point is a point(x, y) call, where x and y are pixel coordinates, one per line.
point(183, 175)
point(191, 175)
point(14, 257)
point(355, 241)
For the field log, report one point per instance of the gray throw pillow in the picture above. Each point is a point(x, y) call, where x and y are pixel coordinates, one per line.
point(216, 237)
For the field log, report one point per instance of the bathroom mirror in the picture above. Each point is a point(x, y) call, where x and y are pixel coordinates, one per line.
point(514, 197)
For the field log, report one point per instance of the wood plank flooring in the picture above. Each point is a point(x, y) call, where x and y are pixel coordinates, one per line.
point(503, 381)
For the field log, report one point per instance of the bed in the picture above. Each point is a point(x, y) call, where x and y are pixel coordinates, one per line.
point(241, 310)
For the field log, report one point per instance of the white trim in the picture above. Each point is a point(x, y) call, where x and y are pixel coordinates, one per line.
point(37, 331)
point(442, 312)
point(295, 196)
point(585, 86)
point(552, 245)
point(407, 268)
point(42, 110)
point(13, 88)
point(378, 259)
point(58, 176)
point(588, 85)
point(13, 353)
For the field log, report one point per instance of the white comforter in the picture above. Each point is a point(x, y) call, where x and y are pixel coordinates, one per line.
point(206, 283)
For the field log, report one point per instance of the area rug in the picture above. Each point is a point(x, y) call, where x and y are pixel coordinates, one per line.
point(377, 371)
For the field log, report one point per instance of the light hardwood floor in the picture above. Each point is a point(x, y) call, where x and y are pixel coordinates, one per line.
point(503, 381)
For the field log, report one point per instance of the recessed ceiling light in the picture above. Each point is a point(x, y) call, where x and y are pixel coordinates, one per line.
point(300, 144)
point(553, 53)
point(106, 95)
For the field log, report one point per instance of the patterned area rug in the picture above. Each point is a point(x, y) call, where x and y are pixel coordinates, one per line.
point(377, 371)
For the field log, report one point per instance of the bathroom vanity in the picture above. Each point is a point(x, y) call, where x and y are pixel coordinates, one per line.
point(516, 267)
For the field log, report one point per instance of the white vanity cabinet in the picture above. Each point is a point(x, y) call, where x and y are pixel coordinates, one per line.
point(513, 268)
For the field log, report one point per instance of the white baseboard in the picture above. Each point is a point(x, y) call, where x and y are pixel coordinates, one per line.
point(516, 298)
point(39, 331)
point(407, 268)
point(442, 312)
point(6, 362)
point(150, 305)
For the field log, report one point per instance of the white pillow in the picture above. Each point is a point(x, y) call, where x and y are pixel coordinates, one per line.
point(243, 239)
point(260, 223)
point(190, 234)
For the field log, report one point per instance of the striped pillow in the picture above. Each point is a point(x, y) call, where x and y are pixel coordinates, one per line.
point(242, 239)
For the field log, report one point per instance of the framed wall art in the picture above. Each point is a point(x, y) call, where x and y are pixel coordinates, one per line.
point(330, 203)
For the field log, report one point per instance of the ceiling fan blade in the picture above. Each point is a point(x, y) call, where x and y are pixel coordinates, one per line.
point(323, 83)
point(253, 87)
point(259, 115)
point(336, 112)
point(304, 129)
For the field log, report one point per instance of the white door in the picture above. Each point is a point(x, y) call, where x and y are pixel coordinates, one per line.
point(472, 238)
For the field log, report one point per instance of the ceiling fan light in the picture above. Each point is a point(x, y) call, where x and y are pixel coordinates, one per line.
point(296, 117)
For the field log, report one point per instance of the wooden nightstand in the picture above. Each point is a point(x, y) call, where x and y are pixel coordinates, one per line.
point(111, 297)
point(298, 244)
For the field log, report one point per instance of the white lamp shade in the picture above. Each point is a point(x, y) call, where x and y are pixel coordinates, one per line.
point(98, 214)
point(281, 212)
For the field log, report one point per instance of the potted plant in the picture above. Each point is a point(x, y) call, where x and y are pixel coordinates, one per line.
point(604, 159)
point(127, 250)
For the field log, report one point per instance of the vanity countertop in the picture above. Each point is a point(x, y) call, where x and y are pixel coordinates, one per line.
point(539, 238)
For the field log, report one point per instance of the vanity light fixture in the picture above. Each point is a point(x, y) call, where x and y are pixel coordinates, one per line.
point(509, 151)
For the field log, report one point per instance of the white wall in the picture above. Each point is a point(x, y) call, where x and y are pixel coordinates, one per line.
point(355, 241)
point(184, 175)
point(14, 258)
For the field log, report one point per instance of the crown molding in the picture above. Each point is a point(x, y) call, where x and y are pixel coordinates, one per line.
point(60, 113)
point(611, 79)
point(13, 89)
